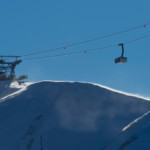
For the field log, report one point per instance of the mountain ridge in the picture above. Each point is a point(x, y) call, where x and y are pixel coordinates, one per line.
point(70, 116)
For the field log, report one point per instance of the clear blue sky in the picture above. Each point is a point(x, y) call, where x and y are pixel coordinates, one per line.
point(33, 25)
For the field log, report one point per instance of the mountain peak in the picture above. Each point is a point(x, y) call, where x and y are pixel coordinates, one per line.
point(69, 115)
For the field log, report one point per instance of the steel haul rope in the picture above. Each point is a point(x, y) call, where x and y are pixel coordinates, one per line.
point(88, 41)
point(79, 52)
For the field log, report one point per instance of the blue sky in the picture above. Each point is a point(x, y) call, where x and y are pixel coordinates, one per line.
point(30, 26)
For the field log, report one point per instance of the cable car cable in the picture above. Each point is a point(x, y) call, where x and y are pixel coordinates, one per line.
point(71, 53)
point(87, 41)
point(79, 52)
point(137, 39)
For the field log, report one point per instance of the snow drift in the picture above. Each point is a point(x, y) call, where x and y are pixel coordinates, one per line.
point(69, 115)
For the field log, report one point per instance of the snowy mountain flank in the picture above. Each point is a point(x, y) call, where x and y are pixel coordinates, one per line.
point(135, 136)
point(72, 116)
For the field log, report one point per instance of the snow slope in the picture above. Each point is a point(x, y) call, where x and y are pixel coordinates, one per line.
point(69, 116)
point(135, 136)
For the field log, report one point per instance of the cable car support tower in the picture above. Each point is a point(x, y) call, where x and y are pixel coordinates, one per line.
point(7, 68)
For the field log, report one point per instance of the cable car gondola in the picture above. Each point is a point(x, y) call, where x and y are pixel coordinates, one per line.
point(121, 59)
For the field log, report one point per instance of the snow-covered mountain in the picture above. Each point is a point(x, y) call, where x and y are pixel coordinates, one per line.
point(68, 115)
point(135, 136)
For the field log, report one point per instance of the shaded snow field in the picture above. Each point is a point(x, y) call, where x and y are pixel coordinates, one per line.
point(71, 116)
point(13, 90)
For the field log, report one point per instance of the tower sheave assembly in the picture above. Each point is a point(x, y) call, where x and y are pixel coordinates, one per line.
point(7, 68)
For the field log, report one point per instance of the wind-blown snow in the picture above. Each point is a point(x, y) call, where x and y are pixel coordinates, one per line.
point(105, 87)
point(69, 115)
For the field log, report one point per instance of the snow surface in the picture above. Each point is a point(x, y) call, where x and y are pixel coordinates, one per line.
point(135, 136)
point(69, 116)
